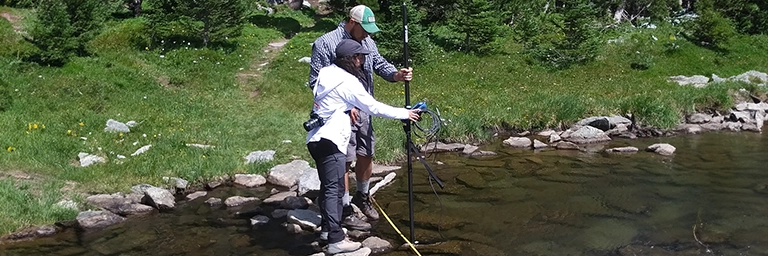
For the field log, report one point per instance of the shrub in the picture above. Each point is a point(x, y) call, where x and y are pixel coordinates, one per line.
point(205, 21)
point(710, 29)
point(125, 35)
point(561, 39)
point(390, 39)
point(63, 27)
point(478, 23)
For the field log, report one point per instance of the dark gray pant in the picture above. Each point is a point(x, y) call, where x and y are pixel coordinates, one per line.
point(331, 165)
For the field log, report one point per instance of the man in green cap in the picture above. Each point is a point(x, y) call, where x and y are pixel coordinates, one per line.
point(358, 26)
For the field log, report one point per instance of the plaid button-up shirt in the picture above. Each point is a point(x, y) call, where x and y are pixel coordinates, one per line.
point(324, 52)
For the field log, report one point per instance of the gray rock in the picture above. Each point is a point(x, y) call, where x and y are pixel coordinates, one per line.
point(293, 228)
point(203, 146)
point(287, 175)
point(259, 220)
point(662, 149)
point(554, 138)
point(88, 159)
point(441, 147)
point(538, 144)
point(622, 150)
point(717, 79)
point(309, 182)
point(384, 169)
point(132, 209)
point(469, 149)
point(115, 126)
point(762, 106)
point(307, 219)
point(196, 195)
point(713, 126)
point(140, 189)
point(697, 81)
point(699, 118)
point(689, 128)
point(305, 60)
point(279, 197)
point(239, 200)
point(67, 204)
point(587, 134)
point(28, 234)
point(279, 213)
point(739, 116)
point(250, 180)
point(177, 183)
point(213, 201)
point(260, 156)
point(294, 202)
point(384, 182)
point(566, 145)
point(377, 245)
point(141, 150)
point(753, 127)
point(97, 219)
point(162, 199)
point(547, 133)
point(518, 142)
point(484, 153)
point(732, 126)
point(751, 77)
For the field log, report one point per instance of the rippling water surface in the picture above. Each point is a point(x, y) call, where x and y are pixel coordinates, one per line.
point(710, 198)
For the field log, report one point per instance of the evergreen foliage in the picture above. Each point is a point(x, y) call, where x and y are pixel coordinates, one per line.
point(203, 21)
point(478, 23)
point(711, 29)
point(390, 39)
point(63, 28)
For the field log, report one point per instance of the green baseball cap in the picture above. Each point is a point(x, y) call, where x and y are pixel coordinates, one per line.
point(363, 15)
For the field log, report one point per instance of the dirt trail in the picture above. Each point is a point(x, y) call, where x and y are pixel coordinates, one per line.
point(255, 69)
point(15, 21)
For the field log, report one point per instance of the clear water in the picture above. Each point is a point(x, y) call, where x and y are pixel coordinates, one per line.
point(710, 198)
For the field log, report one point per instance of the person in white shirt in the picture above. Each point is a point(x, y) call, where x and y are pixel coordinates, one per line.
point(337, 90)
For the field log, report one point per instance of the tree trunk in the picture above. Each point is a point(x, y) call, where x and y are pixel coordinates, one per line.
point(136, 7)
point(618, 15)
point(206, 26)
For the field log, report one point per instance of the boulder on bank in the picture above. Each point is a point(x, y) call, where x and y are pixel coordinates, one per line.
point(518, 142)
point(287, 175)
point(98, 219)
point(662, 149)
point(585, 135)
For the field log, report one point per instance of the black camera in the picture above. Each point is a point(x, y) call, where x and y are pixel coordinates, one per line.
point(314, 121)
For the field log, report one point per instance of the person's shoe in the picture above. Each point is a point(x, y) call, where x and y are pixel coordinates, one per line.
point(363, 201)
point(347, 211)
point(324, 234)
point(343, 246)
point(355, 223)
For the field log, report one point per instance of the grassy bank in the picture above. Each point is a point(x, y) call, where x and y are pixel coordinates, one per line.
point(181, 94)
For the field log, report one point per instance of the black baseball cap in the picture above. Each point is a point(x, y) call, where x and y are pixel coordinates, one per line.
point(349, 47)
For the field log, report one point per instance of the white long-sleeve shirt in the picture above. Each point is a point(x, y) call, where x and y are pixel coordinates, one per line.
point(337, 91)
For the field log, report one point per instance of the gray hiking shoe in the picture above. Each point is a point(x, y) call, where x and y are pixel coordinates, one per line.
point(363, 201)
point(343, 246)
point(355, 223)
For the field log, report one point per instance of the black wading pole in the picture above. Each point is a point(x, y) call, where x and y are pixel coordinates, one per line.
point(407, 126)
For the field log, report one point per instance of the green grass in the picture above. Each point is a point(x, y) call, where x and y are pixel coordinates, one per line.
point(26, 205)
point(182, 95)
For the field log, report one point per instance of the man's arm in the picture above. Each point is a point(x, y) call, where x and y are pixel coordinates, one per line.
point(321, 58)
point(381, 66)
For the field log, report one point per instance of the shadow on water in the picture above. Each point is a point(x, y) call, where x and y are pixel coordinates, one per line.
point(710, 198)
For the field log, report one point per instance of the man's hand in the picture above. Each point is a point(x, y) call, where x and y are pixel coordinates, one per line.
point(354, 115)
point(404, 74)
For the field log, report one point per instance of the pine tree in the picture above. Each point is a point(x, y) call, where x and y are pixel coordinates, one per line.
point(207, 20)
point(64, 27)
point(478, 21)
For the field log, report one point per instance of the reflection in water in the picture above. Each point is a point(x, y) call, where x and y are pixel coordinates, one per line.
point(710, 198)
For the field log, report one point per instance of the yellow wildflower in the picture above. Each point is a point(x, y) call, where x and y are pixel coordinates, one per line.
point(10, 149)
point(69, 132)
point(81, 124)
point(34, 126)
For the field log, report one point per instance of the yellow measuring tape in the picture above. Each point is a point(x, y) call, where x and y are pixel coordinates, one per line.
point(393, 226)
